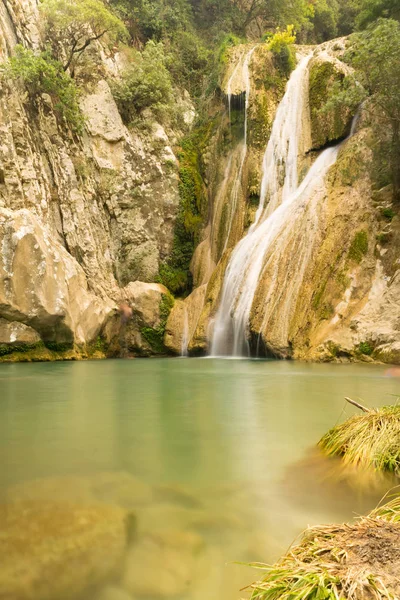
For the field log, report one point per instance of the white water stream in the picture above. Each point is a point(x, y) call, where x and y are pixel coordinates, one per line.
point(185, 335)
point(237, 184)
point(284, 205)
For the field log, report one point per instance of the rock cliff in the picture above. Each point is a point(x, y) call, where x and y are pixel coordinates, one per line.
point(82, 216)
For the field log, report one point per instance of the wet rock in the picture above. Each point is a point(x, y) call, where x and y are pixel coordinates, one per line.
point(163, 517)
point(176, 494)
point(55, 550)
point(113, 593)
point(121, 488)
point(184, 315)
point(14, 333)
point(162, 565)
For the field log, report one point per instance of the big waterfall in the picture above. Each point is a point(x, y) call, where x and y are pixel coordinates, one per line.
point(285, 209)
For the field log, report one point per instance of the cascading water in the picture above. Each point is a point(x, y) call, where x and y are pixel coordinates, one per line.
point(283, 203)
point(185, 334)
point(237, 184)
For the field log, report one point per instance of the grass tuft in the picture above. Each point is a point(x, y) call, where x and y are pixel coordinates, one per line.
point(370, 440)
point(339, 562)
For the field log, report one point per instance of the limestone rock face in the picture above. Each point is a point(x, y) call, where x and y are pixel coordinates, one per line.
point(99, 209)
point(142, 332)
point(183, 321)
point(42, 286)
point(58, 550)
point(14, 333)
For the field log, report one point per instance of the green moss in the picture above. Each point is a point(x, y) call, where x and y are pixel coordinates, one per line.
point(328, 123)
point(333, 348)
point(155, 335)
point(365, 348)
point(174, 272)
point(260, 122)
point(59, 347)
point(6, 349)
point(359, 246)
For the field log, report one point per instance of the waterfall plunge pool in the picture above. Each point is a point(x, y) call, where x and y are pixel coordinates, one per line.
point(214, 457)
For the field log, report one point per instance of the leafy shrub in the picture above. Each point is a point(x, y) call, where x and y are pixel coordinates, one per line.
point(42, 74)
point(365, 348)
point(187, 61)
point(388, 213)
point(281, 46)
point(146, 84)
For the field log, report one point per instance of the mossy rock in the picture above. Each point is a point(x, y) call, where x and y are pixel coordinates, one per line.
point(327, 126)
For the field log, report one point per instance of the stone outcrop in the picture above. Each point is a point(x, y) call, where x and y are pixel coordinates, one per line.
point(327, 126)
point(81, 216)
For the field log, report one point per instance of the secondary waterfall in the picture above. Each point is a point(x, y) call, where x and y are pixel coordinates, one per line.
point(282, 204)
point(237, 184)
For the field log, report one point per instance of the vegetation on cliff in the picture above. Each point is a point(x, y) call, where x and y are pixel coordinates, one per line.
point(352, 561)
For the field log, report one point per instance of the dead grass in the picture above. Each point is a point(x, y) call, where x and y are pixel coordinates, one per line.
point(356, 561)
point(368, 440)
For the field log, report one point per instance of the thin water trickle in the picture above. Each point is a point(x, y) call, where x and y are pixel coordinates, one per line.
point(185, 334)
point(237, 184)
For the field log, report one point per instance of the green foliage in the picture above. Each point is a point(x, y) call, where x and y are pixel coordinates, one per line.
point(375, 56)
point(365, 348)
point(146, 84)
point(174, 273)
point(281, 46)
point(371, 10)
point(388, 213)
point(42, 74)
point(359, 246)
point(153, 19)
point(188, 61)
point(155, 336)
point(72, 25)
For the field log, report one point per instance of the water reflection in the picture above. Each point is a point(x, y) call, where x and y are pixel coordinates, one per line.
point(213, 459)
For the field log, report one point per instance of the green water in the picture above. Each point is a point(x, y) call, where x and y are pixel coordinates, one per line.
point(224, 446)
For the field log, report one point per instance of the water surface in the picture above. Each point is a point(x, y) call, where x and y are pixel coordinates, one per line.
point(224, 448)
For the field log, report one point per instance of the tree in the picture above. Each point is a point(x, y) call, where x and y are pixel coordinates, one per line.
point(371, 10)
point(72, 25)
point(375, 56)
point(42, 74)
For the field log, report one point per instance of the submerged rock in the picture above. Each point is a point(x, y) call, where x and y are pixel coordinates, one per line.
point(58, 550)
point(162, 565)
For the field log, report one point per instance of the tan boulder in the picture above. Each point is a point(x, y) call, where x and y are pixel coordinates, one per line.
point(183, 320)
point(42, 286)
point(58, 550)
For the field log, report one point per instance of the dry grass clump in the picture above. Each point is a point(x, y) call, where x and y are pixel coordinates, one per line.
point(357, 561)
point(368, 440)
